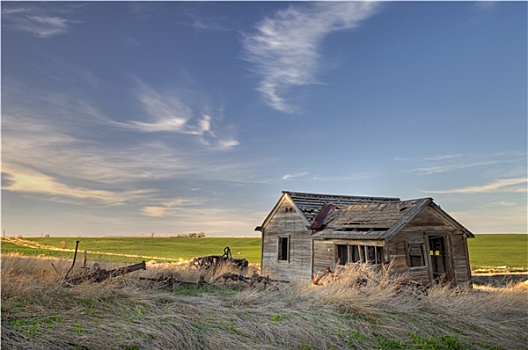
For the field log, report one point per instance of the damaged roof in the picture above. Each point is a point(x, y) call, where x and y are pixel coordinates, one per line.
point(311, 203)
point(373, 220)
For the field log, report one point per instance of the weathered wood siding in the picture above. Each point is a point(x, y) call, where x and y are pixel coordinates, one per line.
point(324, 256)
point(461, 266)
point(287, 223)
point(429, 223)
point(399, 255)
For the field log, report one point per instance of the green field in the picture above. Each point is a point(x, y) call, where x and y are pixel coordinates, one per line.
point(485, 250)
point(8, 247)
point(494, 250)
point(163, 249)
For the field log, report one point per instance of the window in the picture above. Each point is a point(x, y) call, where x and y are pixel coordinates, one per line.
point(283, 248)
point(354, 254)
point(358, 253)
point(415, 252)
point(342, 254)
point(373, 254)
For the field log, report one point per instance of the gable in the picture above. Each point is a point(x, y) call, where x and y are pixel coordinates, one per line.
point(283, 201)
point(449, 220)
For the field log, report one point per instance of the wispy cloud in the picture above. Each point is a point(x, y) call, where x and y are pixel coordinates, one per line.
point(39, 21)
point(24, 180)
point(484, 6)
point(165, 112)
point(502, 185)
point(285, 49)
point(431, 158)
point(201, 24)
point(55, 146)
point(443, 168)
point(171, 207)
point(291, 176)
point(506, 204)
point(454, 162)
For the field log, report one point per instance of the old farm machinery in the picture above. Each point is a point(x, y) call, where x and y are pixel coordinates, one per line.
point(214, 261)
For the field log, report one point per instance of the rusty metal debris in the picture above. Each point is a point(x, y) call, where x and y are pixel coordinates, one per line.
point(170, 281)
point(97, 274)
point(213, 261)
point(266, 280)
point(316, 281)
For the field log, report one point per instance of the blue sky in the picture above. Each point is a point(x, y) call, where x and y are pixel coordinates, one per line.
point(126, 118)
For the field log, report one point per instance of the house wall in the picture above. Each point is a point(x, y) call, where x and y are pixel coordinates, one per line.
point(287, 223)
point(462, 269)
point(429, 223)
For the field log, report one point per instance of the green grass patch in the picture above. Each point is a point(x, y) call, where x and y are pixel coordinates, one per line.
point(499, 250)
point(164, 249)
point(8, 247)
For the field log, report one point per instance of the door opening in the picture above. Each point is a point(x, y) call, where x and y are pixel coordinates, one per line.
point(438, 255)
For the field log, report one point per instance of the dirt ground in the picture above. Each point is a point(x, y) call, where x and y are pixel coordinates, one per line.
point(499, 280)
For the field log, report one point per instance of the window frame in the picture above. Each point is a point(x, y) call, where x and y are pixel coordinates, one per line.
point(339, 251)
point(414, 247)
point(281, 250)
point(360, 253)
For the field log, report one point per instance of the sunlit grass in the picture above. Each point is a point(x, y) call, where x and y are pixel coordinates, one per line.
point(499, 252)
point(127, 312)
point(132, 249)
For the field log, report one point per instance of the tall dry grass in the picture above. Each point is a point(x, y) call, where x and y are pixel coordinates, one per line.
point(345, 312)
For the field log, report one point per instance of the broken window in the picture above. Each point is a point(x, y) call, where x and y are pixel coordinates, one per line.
point(284, 248)
point(342, 254)
point(416, 257)
point(358, 253)
point(373, 254)
point(354, 254)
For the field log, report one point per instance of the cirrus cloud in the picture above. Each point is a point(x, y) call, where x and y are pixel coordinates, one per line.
point(285, 48)
point(39, 21)
point(502, 185)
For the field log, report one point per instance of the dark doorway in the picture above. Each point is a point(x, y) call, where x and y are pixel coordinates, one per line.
point(438, 255)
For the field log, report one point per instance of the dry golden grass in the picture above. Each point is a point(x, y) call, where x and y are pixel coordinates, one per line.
point(126, 312)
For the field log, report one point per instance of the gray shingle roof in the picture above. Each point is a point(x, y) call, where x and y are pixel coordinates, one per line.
point(369, 220)
point(311, 203)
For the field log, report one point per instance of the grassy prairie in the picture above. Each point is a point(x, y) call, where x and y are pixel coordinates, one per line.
point(39, 312)
point(499, 252)
point(128, 249)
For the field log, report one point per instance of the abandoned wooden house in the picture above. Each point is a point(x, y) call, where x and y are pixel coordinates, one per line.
point(305, 233)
